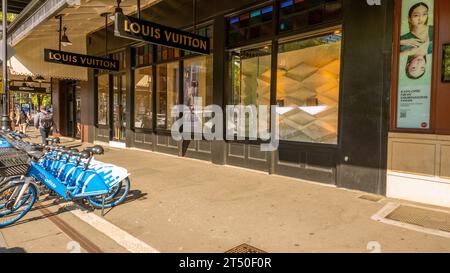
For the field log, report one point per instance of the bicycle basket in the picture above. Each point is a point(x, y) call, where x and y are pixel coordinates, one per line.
point(14, 163)
point(7, 151)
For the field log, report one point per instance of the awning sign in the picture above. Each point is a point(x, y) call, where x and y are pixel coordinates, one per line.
point(140, 30)
point(68, 58)
point(28, 89)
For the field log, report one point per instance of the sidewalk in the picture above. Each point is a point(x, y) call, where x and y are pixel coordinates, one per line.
point(183, 205)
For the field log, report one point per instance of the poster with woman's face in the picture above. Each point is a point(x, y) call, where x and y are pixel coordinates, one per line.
point(415, 66)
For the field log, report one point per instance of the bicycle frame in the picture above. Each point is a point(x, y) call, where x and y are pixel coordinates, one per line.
point(88, 189)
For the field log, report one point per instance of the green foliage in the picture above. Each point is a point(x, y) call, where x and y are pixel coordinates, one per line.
point(10, 16)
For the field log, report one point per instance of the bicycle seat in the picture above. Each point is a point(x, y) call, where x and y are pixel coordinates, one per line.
point(74, 152)
point(85, 155)
point(54, 140)
point(98, 150)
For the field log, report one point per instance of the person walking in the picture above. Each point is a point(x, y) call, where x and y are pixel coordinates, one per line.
point(44, 122)
point(22, 121)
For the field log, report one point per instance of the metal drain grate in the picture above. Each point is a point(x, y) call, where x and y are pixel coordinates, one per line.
point(244, 248)
point(421, 217)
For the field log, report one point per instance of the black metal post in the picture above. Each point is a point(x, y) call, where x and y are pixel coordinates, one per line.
point(139, 9)
point(60, 31)
point(106, 14)
point(194, 14)
point(6, 122)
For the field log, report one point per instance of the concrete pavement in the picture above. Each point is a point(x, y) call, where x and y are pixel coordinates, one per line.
point(182, 205)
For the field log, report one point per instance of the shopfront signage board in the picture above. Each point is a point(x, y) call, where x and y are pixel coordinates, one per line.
point(140, 30)
point(28, 89)
point(69, 58)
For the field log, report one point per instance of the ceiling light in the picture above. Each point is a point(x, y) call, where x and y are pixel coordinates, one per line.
point(65, 40)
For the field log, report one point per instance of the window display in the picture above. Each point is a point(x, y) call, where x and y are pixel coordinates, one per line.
point(143, 98)
point(103, 99)
point(250, 77)
point(168, 86)
point(198, 82)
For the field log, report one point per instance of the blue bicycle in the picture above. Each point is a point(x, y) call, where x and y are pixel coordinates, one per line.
point(69, 173)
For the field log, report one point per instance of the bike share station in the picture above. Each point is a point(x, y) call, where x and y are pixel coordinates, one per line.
point(29, 169)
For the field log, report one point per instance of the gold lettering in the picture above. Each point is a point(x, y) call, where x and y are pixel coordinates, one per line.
point(83, 60)
point(136, 28)
point(203, 45)
point(75, 59)
point(195, 43)
point(145, 30)
point(126, 26)
point(57, 56)
point(157, 33)
point(190, 41)
point(168, 35)
point(176, 38)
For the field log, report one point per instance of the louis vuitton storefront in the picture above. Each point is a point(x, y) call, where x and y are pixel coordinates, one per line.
point(324, 64)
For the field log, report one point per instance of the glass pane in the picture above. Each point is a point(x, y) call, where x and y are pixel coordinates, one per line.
point(143, 98)
point(119, 106)
point(123, 101)
point(167, 93)
point(121, 57)
point(198, 82)
point(250, 77)
point(103, 99)
point(167, 54)
point(308, 89)
point(250, 25)
point(300, 14)
point(116, 108)
point(144, 55)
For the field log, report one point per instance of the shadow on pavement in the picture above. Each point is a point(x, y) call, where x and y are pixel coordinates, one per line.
point(37, 218)
point(12, 250)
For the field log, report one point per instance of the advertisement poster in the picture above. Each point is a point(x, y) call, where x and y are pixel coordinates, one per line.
point(415, 66)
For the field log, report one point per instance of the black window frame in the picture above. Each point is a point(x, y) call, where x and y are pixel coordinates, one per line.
point(275, 40)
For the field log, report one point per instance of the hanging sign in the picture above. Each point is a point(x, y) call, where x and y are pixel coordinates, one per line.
point(68, 58)
point(29, 89)
point(140, 30)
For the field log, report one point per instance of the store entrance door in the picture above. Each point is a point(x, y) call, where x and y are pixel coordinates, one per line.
point(73, 110)
point(120, 119)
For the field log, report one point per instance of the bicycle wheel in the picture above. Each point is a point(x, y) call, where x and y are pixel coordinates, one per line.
point(115, 196)
point(11, 213)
